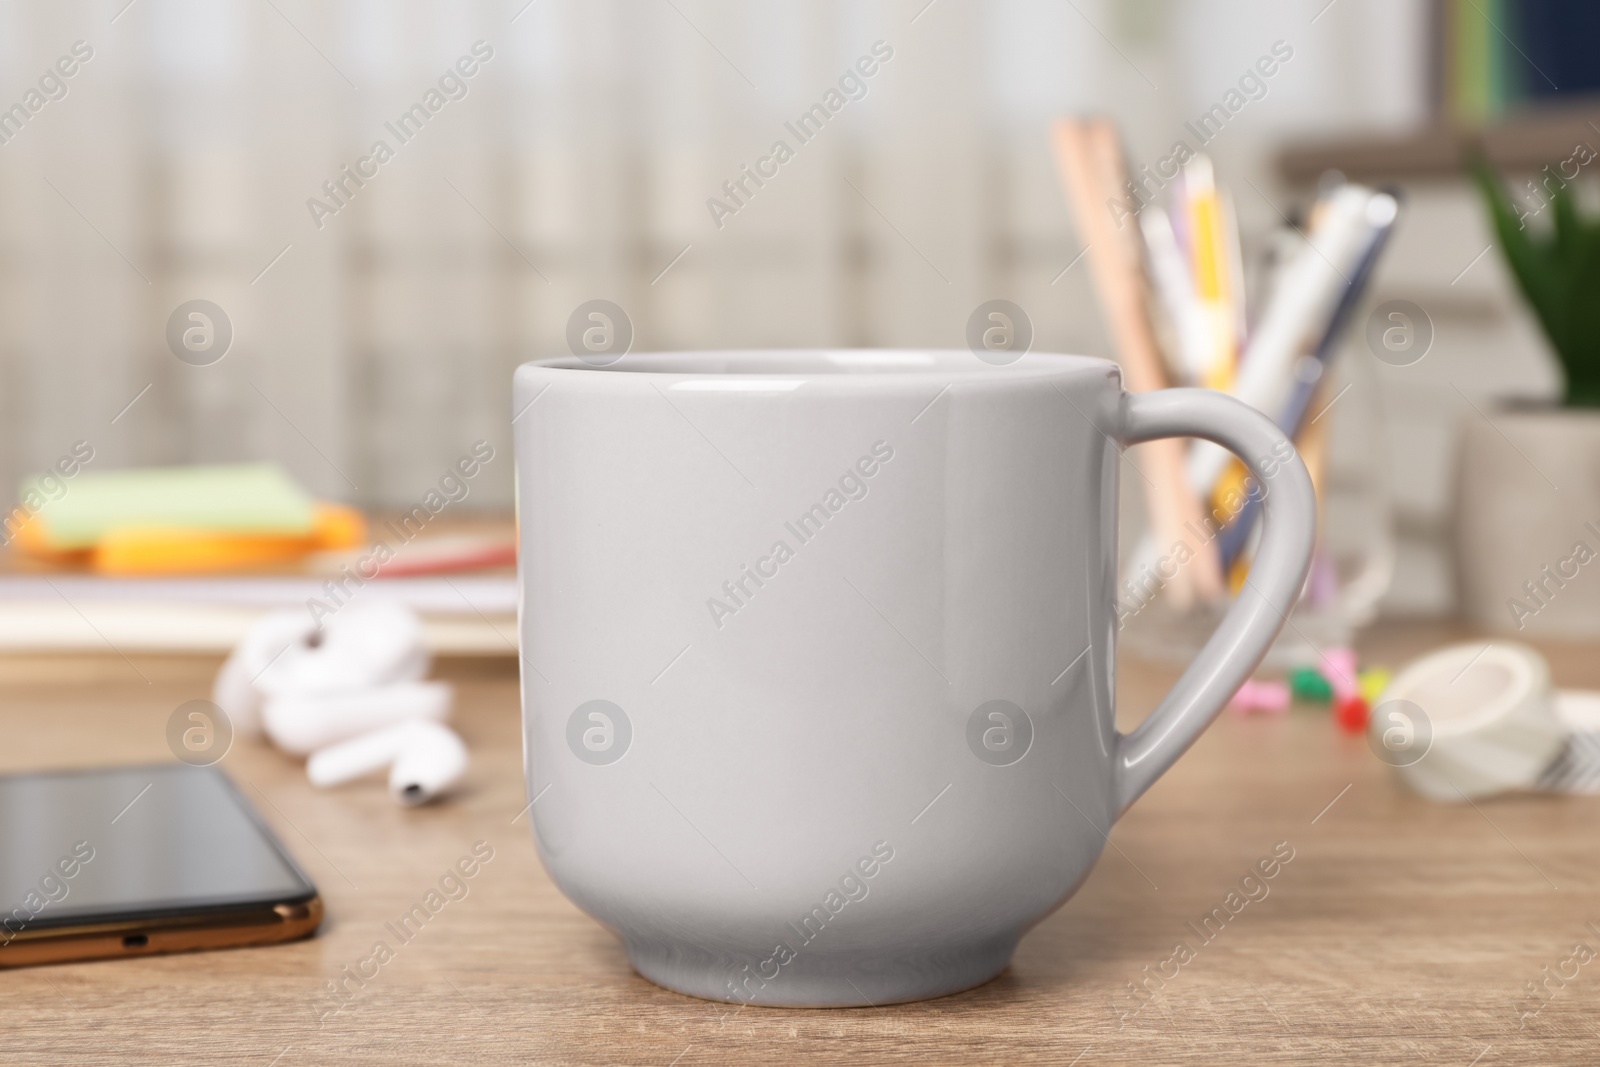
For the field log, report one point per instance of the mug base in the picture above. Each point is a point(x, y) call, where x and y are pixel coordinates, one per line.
point(824, 981)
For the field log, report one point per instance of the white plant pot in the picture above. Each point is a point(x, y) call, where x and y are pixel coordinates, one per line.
point(1528, 522)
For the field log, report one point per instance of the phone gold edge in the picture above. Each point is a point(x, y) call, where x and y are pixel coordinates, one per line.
point(265, 924)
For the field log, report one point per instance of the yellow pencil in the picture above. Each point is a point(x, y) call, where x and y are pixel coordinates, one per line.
point(1212, 269)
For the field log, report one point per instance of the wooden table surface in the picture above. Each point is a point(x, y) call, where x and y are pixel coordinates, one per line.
point(1403, 931)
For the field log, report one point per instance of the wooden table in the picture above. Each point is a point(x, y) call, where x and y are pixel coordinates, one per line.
point(1401, 931)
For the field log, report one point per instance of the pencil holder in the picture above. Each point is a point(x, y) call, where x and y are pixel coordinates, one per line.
point(1161, 617)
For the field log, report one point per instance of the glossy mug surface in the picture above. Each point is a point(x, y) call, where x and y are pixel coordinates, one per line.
point(818, 652)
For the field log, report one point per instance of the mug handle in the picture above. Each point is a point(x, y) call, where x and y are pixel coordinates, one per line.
point(1289, 527)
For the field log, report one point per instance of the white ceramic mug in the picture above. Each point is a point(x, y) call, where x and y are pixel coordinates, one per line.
point(818, 652)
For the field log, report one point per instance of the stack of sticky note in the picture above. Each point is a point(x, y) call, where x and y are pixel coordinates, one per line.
point(181, 520)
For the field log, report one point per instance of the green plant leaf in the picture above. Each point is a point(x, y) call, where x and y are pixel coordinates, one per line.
point(1559, 275)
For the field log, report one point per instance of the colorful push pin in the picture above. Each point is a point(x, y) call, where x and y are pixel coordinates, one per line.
point(1308, 684)
point(1372, 682)
point(1351, 714)
point(1339, 668)
point(1267, 698)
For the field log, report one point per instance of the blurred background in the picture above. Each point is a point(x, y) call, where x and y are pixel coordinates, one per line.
point(374, 336)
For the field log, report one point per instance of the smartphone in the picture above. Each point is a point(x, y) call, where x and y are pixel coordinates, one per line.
point(133, 861)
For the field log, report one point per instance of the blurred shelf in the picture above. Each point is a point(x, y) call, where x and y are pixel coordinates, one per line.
point(1524, 143)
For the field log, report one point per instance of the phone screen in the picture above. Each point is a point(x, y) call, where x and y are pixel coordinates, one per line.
point(110, 843)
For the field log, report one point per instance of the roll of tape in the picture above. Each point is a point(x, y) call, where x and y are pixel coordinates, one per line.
point(1470, 720)
point(1577, 768)
point(1579, 710)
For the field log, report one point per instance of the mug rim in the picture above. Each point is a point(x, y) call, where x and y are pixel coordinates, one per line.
point(859, 365)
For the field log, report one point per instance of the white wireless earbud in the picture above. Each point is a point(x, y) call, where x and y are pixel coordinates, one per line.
point(431, 761)
point(362, 645)
point(348, 692)
point(302, 723)
point(357, 757)
point(236, 691)
point(424, 758)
